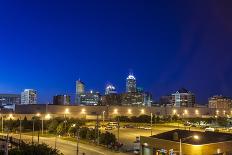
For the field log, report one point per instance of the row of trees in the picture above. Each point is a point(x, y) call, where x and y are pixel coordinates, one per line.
point(63, 127)
point(147, 119)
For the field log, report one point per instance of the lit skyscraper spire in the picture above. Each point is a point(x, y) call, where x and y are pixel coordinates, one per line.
point(110, 89)
point(131, 83)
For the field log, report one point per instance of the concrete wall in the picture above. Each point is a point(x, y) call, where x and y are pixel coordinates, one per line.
point(112, 111)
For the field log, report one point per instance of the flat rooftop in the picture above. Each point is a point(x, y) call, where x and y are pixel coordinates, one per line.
point(204, 137)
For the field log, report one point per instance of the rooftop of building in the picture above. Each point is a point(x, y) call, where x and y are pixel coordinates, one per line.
point(183, 90)
point(204, 137)
point(219, 97)
point(10, 95)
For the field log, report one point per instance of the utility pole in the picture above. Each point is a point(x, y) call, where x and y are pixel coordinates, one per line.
point(20, 129)
point(118, 129)
point(97, 130)
point(38, 137)
point(42, 124)
point(55, 140)
point(33, 129)
point(151, 123)
point(78, 140)
point(2, 124)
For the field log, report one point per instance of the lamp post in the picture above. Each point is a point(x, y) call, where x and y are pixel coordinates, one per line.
point(65, 120)
point(103, 117)
point(196, 137)
point(33, 128)
point(2, 124)
point(151, 123)
point(20, 129)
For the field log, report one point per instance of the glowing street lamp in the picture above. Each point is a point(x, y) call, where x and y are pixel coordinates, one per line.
point(38, 114)
point(217, 112)
point(197, 112)
point(115, 111)
point(129, 111)
point(174, 111)
point(47, 116)
point(142, 111)
point(195, 137)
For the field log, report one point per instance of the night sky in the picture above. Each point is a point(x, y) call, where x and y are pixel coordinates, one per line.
point(47, 46)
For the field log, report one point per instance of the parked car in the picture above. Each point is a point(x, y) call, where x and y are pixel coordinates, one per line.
point(147, 128)
point(109, 128)
point(128, 126)
point(210, 129)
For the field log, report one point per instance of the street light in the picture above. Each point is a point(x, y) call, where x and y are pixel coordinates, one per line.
point(151, 123)
point(103, 117)
point(196, 137)
point(142, 111)
point(129, 111)
point(115, 111)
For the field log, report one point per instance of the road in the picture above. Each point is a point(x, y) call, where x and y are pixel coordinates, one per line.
point(70, 147)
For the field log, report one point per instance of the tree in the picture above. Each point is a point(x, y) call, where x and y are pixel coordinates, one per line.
point(107, 139)
point(53, 126)
point(34, 149)
point(61, 130)
point(83, 133)
point(25, 123)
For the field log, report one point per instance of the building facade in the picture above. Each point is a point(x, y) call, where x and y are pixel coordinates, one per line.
point(29, 96)
point(183, 98)
point(220, 102)
point(80, 89)
point(166, 101)
point(168, 143)
point(111, 99)
point(90, 98)
point(110, 89)
point(61, 100)
point(10, 99)
point(131, 83)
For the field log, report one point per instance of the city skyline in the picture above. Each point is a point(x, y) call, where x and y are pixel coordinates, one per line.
point(47, 46)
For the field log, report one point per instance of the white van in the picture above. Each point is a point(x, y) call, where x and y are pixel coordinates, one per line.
point(210, 129)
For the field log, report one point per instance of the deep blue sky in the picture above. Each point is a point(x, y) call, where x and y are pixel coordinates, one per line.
point(47, 45)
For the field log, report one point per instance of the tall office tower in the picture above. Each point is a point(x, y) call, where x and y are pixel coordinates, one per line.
point(61, 100)
point(90, 98)
point(29, 96)
point(183, 98)
point(80, 89)
point(131, 83)
point(110, 89)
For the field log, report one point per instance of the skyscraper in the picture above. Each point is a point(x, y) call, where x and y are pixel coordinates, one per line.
point(110, 89)
point(61, 100)
point(80, 89)
point(29, 96)
point(130, 83)
point(183, 98)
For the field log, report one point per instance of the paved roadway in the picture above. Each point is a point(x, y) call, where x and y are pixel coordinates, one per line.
point(69, 147)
